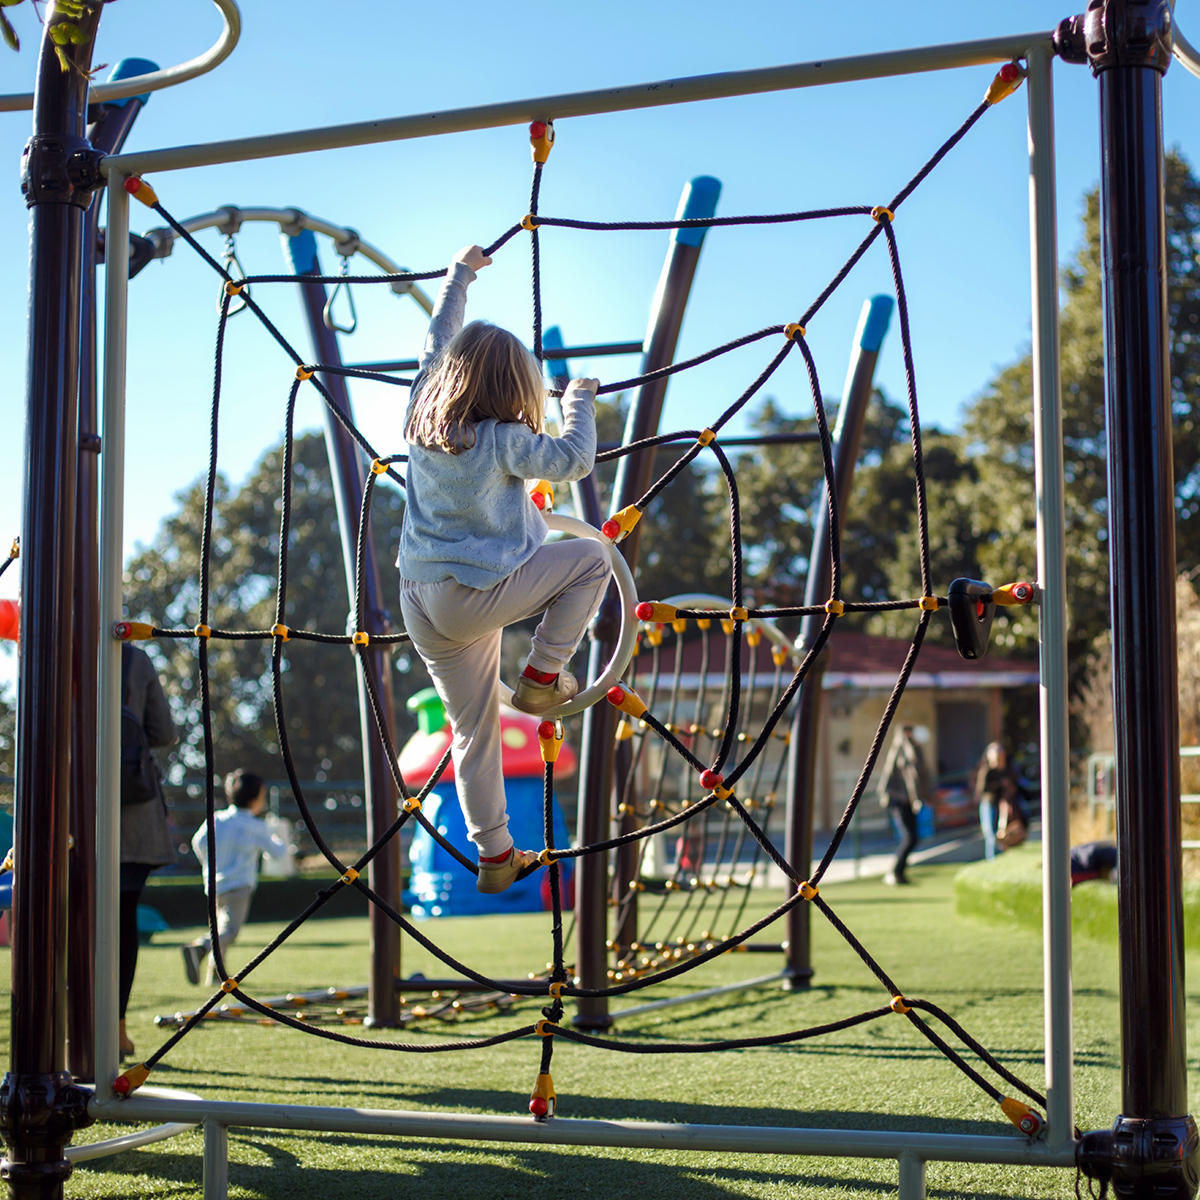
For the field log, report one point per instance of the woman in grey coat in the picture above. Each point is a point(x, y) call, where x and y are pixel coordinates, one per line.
point(145, 839)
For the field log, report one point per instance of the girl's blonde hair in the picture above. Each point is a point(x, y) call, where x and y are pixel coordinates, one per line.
point(483, 372)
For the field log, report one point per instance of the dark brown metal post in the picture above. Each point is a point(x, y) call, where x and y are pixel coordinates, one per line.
point(634, 474)
point(1152, 1148)
point(806, 718)
point(349, 473)
point(39, 1106)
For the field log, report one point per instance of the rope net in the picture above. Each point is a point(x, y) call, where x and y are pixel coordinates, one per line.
point(736, 759)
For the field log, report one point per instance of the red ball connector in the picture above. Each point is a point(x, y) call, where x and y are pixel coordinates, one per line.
point(1009, 72)
point(611, 530)
point(537, 129)
point(711, 779)
point(538, 1106)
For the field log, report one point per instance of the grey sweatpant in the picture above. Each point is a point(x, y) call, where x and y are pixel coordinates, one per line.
point(456, 630)
point(233, 907)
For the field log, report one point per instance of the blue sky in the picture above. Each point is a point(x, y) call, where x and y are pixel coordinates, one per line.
point(963, 236)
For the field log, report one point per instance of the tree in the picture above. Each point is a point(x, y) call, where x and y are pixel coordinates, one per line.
point(320, 691)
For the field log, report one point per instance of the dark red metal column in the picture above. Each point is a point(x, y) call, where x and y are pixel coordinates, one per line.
point(39, 1106)
point(1151, 1150)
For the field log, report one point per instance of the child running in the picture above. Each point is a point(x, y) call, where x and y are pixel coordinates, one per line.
point(472, 558)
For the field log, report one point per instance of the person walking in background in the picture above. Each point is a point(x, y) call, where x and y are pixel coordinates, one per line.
point(995, 780)
point(145, 838)
point(904, 782)
point(241, 836)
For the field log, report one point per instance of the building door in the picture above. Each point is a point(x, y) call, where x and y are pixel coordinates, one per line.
point(962, 737)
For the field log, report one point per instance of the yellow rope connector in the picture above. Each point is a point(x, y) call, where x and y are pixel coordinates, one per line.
point(550, 736)
point(898, 1006)
point(556, 990)
point(656, 611)
point(9, 860)
point(132, 631)
point(721, 792)
point(1007, 80)
point(1011, 594)
point(880, 213)
point(626, 699)
point(229, 985)
point(807, 890)
point(540, 1028)
point(624, 730)
point(378, 467)
point(130, 1080)
point(202, 631)
point(835, 608)
point(793, 331)
point(728, 625)
point(361, 638)
point(928, 604)
point(620, 524)
point(779, 655)
point(753, 637)
point(542, 1099)
point(707, 437)
point(411, 805)
point(232, 288)
point(703, 622)
point(541, 139)
point(304, 373)
point(1029, 1122)
point(679, 624)
point(545, 857)
point(281, 631)
point(739, 614)
point(139, 189)
point(349, 877)
point(542, 495)
point(527, 222)
point(654, 635)
point(15, 549)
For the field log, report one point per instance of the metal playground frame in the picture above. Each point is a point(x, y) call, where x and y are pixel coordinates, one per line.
point(1152, 1150)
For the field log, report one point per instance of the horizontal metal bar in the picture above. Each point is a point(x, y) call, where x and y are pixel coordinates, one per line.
point(693, 997)
point(563, 1131)
point(598, 351)
point(580, 104)
point(88, 1151)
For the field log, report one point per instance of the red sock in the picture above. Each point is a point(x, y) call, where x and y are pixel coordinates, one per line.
point(498, 858)
point(539, 676)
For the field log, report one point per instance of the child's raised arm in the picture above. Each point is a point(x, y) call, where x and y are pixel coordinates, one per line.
point(451, 304)
point(529, 455)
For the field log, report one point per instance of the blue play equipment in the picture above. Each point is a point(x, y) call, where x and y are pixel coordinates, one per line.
point(439, 885)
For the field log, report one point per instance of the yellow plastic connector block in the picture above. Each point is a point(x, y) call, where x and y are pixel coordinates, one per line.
point(620, 524)
point(1027, 1120)
point(542, 495)
point(794, 330)
point(229, 985)
point(679, 624)
point(139, 189)
point(131, 1079)
point(753, 637)
point(545, 857)
point(132, 631)
point(898, 1006)
point(550, 737)
point(233, 287)
point(655, 611)
point(556, 990)
point(626, 699)
point(739, 614)
point(379, 467)
point(202, 631)
point(1007, 80)
point(349, 876)
point(807, 890)
point(281, 631)
point(624, 730)
point(411, 805)
point(541, 139)
point(721, 792)
point(14, 551)
point(707, 437)
point(928, 604)
point(542, 1100)
point(361, 638)
point(654, 635)
point(9, 860)
point(1012, 594)
point(304, 373)
point(529, 222)
point(779, 655)
point(835, 608)
point(881, 213)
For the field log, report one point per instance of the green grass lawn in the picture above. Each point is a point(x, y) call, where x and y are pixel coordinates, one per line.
point(881, 1075)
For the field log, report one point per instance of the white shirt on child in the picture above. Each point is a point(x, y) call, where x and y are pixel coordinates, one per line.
point(241, 838)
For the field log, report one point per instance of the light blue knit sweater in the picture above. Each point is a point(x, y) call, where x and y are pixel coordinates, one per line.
point(468, 516)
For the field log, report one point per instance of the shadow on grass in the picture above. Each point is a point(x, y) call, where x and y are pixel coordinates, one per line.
point(504, 1172)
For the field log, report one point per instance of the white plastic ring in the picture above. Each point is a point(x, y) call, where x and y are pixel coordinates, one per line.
point(629, 599)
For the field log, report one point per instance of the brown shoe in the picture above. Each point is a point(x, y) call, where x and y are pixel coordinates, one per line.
point(534, 698)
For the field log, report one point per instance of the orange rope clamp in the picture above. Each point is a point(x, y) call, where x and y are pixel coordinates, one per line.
point(541, 139)
point(550, 735)
point(15, 550)
point(1013, 593)
point(233, 289)
point(652, 610)
point(753, 637)
point(545, 857)
point(624, 730)
point(131, 1079)
point(349, 877)
point(779, 655)
point(411, 805)
point(542, 1099)
point(304, 372)
point(619, 525)
point(880, 213)
point(626, 699)
point(229, 985)
point(556, 990)
point(898, 1006)
point(707, 437)
point(807, 890)
point(928, 604)
point(527, 222)
point(739, 614)
point(835, 608)
point(793, 331)
point(1007, 80)
point(361, 638)
point(281, 631)
point(139, 189)
point(379, 468)
point(1029, 1122)
point(202, 631)
point(129, 631)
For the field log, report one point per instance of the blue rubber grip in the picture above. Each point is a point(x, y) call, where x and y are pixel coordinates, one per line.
point(301, 251)
point(873, 324)
point(129, 68)
point(699, 200)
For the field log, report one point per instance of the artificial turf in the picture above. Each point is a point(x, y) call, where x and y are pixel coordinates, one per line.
point(877, 1076)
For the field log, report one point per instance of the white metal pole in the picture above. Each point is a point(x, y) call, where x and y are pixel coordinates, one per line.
point(1052, 580)
point(108, 707)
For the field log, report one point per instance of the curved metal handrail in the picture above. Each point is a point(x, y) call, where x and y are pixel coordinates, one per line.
point(139, 1137)
point(230, 219)
point(155, 81)
point(1183, 49)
